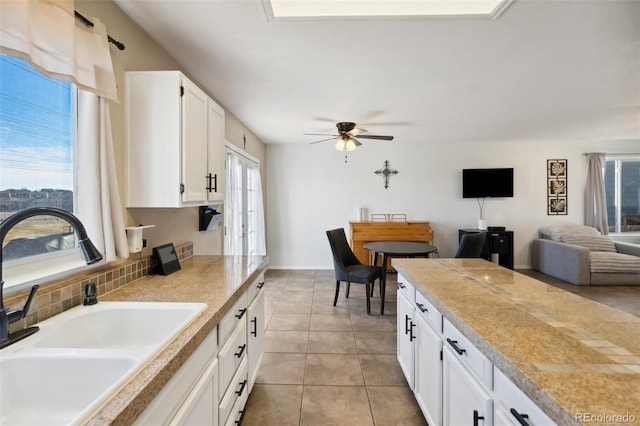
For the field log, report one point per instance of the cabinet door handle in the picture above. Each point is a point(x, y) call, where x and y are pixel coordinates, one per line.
point(476, 417)
point(454, 344)
point(421, 307)
point(242, 348)
point(406, 324)
point(521, 418)
point(214, 178)
point(242, 385)
point(240, 313)
point(411, 336)
point(254, 332)
point(401, 285)
point(260, 285)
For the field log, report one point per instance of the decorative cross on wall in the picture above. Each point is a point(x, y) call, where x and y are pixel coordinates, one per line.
point(386, 172)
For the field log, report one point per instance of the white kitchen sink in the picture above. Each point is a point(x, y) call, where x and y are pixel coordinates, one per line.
point(56, 389)
point(116, 325)
point(80, 358)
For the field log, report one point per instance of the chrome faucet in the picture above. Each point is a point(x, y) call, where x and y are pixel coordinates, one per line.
point(91, 255)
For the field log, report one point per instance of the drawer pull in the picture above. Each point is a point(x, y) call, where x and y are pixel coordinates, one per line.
point(520, 417)
point(242, 348)
point(240, 313)
point(239, 421)
point(400, 285)
point(254, 332)
point(242, 386)
point(454, 345)
point(260, 285)
point(476, 417)
point(421, 307)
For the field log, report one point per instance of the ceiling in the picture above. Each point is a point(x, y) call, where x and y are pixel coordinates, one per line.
point(543, 70)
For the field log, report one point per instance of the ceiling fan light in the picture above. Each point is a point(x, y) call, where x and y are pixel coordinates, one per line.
point(350, 146)
point(341, 145)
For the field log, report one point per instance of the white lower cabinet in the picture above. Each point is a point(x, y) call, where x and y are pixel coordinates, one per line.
point(213, 385)
point(255, 336)
point(199, 408)
point(513, 407)
point(465, 400)
point(191, 396)
point(406, 337)
point(428, 371)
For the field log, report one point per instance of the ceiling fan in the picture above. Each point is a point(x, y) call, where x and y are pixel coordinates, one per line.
point(348, 135)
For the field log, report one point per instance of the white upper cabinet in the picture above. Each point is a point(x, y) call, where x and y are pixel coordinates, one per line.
point(215, 163)
point(174, 138)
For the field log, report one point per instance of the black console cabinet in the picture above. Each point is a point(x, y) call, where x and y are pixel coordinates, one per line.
point(500, 242)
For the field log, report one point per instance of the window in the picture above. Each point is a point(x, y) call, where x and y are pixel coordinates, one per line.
point(622, 187)
point(36, 163)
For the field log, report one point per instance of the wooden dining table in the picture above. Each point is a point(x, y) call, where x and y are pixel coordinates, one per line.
point(397, 249)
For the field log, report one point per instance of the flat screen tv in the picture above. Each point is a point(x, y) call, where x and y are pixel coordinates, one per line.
point(480, 183)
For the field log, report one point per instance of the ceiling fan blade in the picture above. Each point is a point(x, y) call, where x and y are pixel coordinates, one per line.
point(321, 134)
point(323, 140)
point(356, 141)
point(357, 131)
point(379, 137)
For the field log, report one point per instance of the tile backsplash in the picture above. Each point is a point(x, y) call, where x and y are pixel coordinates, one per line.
point(58, 296)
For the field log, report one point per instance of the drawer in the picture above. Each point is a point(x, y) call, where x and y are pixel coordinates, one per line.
point(427, 311)
point(255, 288)
point(231, 355)
point(511, 402)
point(406, 288)
point(236, 314)
point(238, 390)
point(237, 412)
point(470, 356)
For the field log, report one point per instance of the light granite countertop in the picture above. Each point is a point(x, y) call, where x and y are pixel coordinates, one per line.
point(217, 281)
point(570, 355)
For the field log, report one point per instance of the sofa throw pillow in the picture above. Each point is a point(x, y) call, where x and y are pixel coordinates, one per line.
point(556, 232)
point(592, 242)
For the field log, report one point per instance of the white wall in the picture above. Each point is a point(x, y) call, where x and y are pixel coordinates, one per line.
point(310, 190)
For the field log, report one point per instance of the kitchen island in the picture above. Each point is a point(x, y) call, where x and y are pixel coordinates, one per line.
point(218, 281)
point(576, 359)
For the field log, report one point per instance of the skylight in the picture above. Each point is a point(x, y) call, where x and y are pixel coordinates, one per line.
point(291, 9)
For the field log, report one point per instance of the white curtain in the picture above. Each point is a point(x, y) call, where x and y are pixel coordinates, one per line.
point(233, 205)
point(96, 187)
point(47, 34)
point(595, 204)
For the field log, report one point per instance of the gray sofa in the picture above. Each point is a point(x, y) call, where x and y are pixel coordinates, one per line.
point(582, 256)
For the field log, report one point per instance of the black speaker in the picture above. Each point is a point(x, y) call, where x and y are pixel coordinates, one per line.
point(496, 228)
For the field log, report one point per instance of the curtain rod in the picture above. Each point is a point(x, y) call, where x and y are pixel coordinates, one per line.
point(88, 23)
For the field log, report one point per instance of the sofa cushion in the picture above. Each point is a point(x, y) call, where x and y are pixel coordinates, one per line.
point(555, 232)
point(602, 261)
point(592, 242)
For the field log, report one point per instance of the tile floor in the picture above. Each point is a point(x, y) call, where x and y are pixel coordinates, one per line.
point(326, 365)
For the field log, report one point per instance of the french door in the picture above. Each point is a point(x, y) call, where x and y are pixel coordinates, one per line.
point(244, 211)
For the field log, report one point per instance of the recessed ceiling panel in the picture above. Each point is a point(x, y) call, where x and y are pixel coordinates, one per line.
point(293, 9)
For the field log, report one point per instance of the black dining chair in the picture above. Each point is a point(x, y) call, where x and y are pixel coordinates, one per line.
point(471, 245)
point(349, 269)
